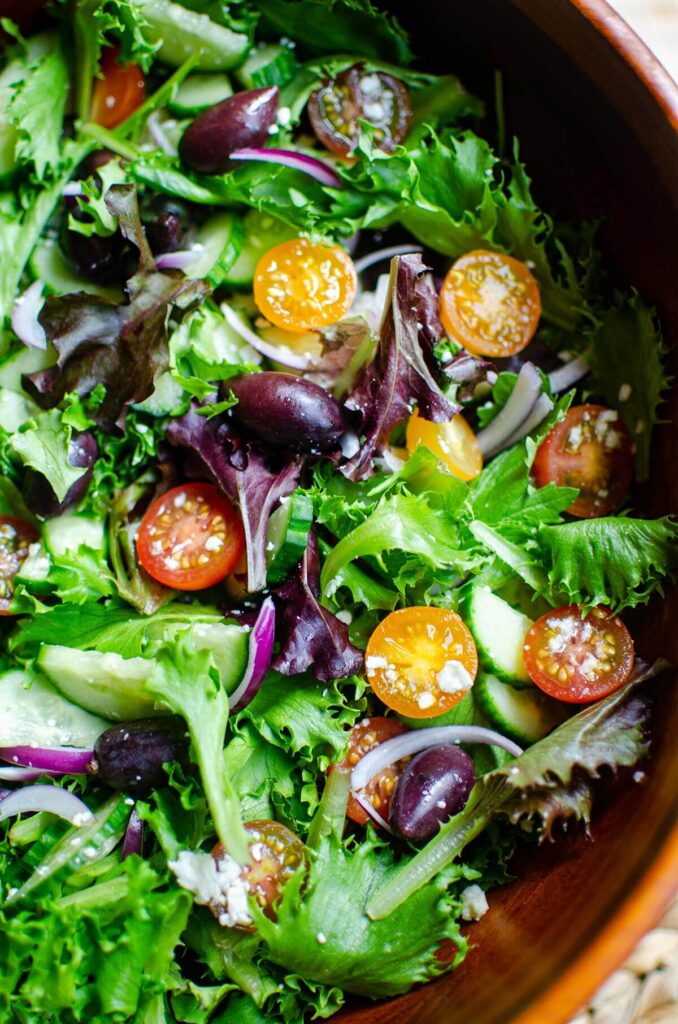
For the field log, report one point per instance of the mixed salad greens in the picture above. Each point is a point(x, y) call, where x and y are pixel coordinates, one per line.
point(316, 436)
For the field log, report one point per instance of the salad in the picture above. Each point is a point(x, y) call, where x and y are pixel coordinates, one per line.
point(321, 445)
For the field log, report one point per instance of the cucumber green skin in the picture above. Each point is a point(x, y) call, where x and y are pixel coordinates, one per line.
point(183, 33)
point(222, 238)
point(485, 657)
point(293, 543)
point(105, 684)
point(545, 713)
point(34, 711)
point(272, 65)
point(33, 574)
point(262, 232)
point(70, 531)
point(200, 92)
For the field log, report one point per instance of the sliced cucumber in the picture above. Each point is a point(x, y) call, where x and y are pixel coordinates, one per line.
point(106, 684)
point(71, 531)
point(48, 264)
point(34, 571)
point(499, 632)
point(80, 845)
point(24, 361)
point(269, 65)
point(200, 92)
point(287, 535)
point(523, 715)
point(165, 398)
point(262, 232)
point(222, 238)
point(34, 712)
point(183, 34)
point(15, 409)
point(229, 647)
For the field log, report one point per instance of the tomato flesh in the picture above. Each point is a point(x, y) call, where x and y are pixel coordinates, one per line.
point(578, 659)
point(490, 303)
point(337, 107)
point(301, 286)
point(16, 536)
point(590, 449)
point(365, 736)
point(420, 662)
point(118, 93)
point(190, 538)
point(276, 854)
point(454, 443)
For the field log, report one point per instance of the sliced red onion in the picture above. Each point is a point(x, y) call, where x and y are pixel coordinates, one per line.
point(279, 353)
point(4, 793)
point(390, 751)
point(518, 407)
point(371, 811)
point(20, 774)
point(64, 760)
point(259, 660)
point(568, 374)
point(158, 135)
point(540, 410)
point(57, 801)
point(73, 188)
point(351, 244)
point(310, 165)
point(378, 255)
point(180, 259)
point(25, 323)
point(134, 836)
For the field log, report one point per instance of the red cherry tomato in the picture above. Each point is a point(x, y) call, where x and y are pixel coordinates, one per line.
point(118, 93)
point(590, 449)
point(276, 854)
point(190, 538)
point(365, 736)
point(15, 538)
point(337, 107)
point(575, 659)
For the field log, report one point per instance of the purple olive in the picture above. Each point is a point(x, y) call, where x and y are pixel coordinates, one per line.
point(285, 410)
point(38, 493)
point(240, 121)
point(166, 222)
point(131, 756)
point(434, 785)
point(96, 258)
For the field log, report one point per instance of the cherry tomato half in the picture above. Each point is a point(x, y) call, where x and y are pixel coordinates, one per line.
point(490, 303)
point(190, 538)
point(590, 449)
point(276, 854)
point(337, 107)
point(421, 661)
point(301, 285)
point(454, 443)
point(578, 659)
point(365, 736)
point(15, 538)
point(118, 93)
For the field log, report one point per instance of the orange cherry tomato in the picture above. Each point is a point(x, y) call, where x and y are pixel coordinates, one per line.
point(118, 93)
point(578, 659)
point(590, 449)
point(365, 736)
point(276, 853)
point(301, 285)
point(454, 443)
point(16, 536)
point(190, 538)
point(421, 661)
point(490, 303)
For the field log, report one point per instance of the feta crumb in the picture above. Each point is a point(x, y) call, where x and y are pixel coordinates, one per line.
point(180, 500)
point(473, 903)
point(344, 616)
point(213, 543)
point(81, 818)
point(625, 392)
point(375, 661)
point(214, 883)
point(322, 938)
point(639, 777)
point(284, 116)
point(453, 678)
point(425, 700)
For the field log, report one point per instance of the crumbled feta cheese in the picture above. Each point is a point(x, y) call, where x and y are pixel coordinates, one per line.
point(81, 818)
point(473, 903)
point(284, 116)
point(425, 700)
point(453, 678)
point(625, 392)
point(214, 543)
point(322, 939)
point(180, 500)
point(211, 882)
point(375, 661)
point(344, 616)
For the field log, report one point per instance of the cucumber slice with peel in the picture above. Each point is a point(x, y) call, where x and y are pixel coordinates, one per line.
point(33, 711)
point(268, 65)
point(200, 92)
point(182, 33)
point(262, 232)
point(105, 684)
point(287, 536)
point(221, 239)
point(499, 632)
point(523, 715)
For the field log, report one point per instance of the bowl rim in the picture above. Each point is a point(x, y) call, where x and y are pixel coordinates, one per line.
point(642, 909)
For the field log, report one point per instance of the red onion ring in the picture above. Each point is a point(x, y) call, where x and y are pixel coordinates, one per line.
point(540, 410)
point(57, 801)
point(310, 165)
point(134, 836)
point(261, 642)
point(25, 323)
point(17, 773)
point(278, 353)
point(64, 760)
point(180, 259)
point(378, 255)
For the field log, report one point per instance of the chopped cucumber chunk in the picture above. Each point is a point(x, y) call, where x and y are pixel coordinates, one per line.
point(287, 535)
point(183, 34)
point(262, 232)
point(499, 632)
point(221, 239)
point(268, 65)
point(199, 92)
point(523, 715)
point(34, 712)
point(106, 684)
point(71, 531)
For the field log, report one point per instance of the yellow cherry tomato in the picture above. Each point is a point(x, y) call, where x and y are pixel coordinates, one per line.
point(302, 285)
point(490, 303)
point(454, 443)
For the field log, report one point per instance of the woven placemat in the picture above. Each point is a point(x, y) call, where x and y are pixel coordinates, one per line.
point(645, 990)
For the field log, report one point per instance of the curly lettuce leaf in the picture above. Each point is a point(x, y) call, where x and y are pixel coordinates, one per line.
point(38, 102)
point(43, 443)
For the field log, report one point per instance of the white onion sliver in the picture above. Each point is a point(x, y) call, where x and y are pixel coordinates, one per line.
point(73, 188)
point(25, 323)
point(259, 656)
point(310, 165)
point(158, 135)
point(393, 750)
point(540, 410)
point(371, 811)
point(565, 376)
point(180, 259)
point(517, 409)
point(370, 258)
point(17, 773)
point(279, 353)
point(57, 801)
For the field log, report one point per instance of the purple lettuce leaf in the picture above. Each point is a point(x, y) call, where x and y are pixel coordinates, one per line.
point(243, 474)
point(314, 638)
point(404, 369)
point(121, 347)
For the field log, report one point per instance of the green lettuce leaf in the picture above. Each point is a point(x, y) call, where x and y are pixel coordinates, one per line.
point(43, 444)
point(37, 106)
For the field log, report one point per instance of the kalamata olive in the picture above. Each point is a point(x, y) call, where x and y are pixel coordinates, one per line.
point(288, 411)
point(38, 493)
point(166, 221)
point(96, 258)
point(131, 756)
point(434, 785)
point(240, 121)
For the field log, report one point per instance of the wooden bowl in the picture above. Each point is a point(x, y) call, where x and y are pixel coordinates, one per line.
point(597, 117)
